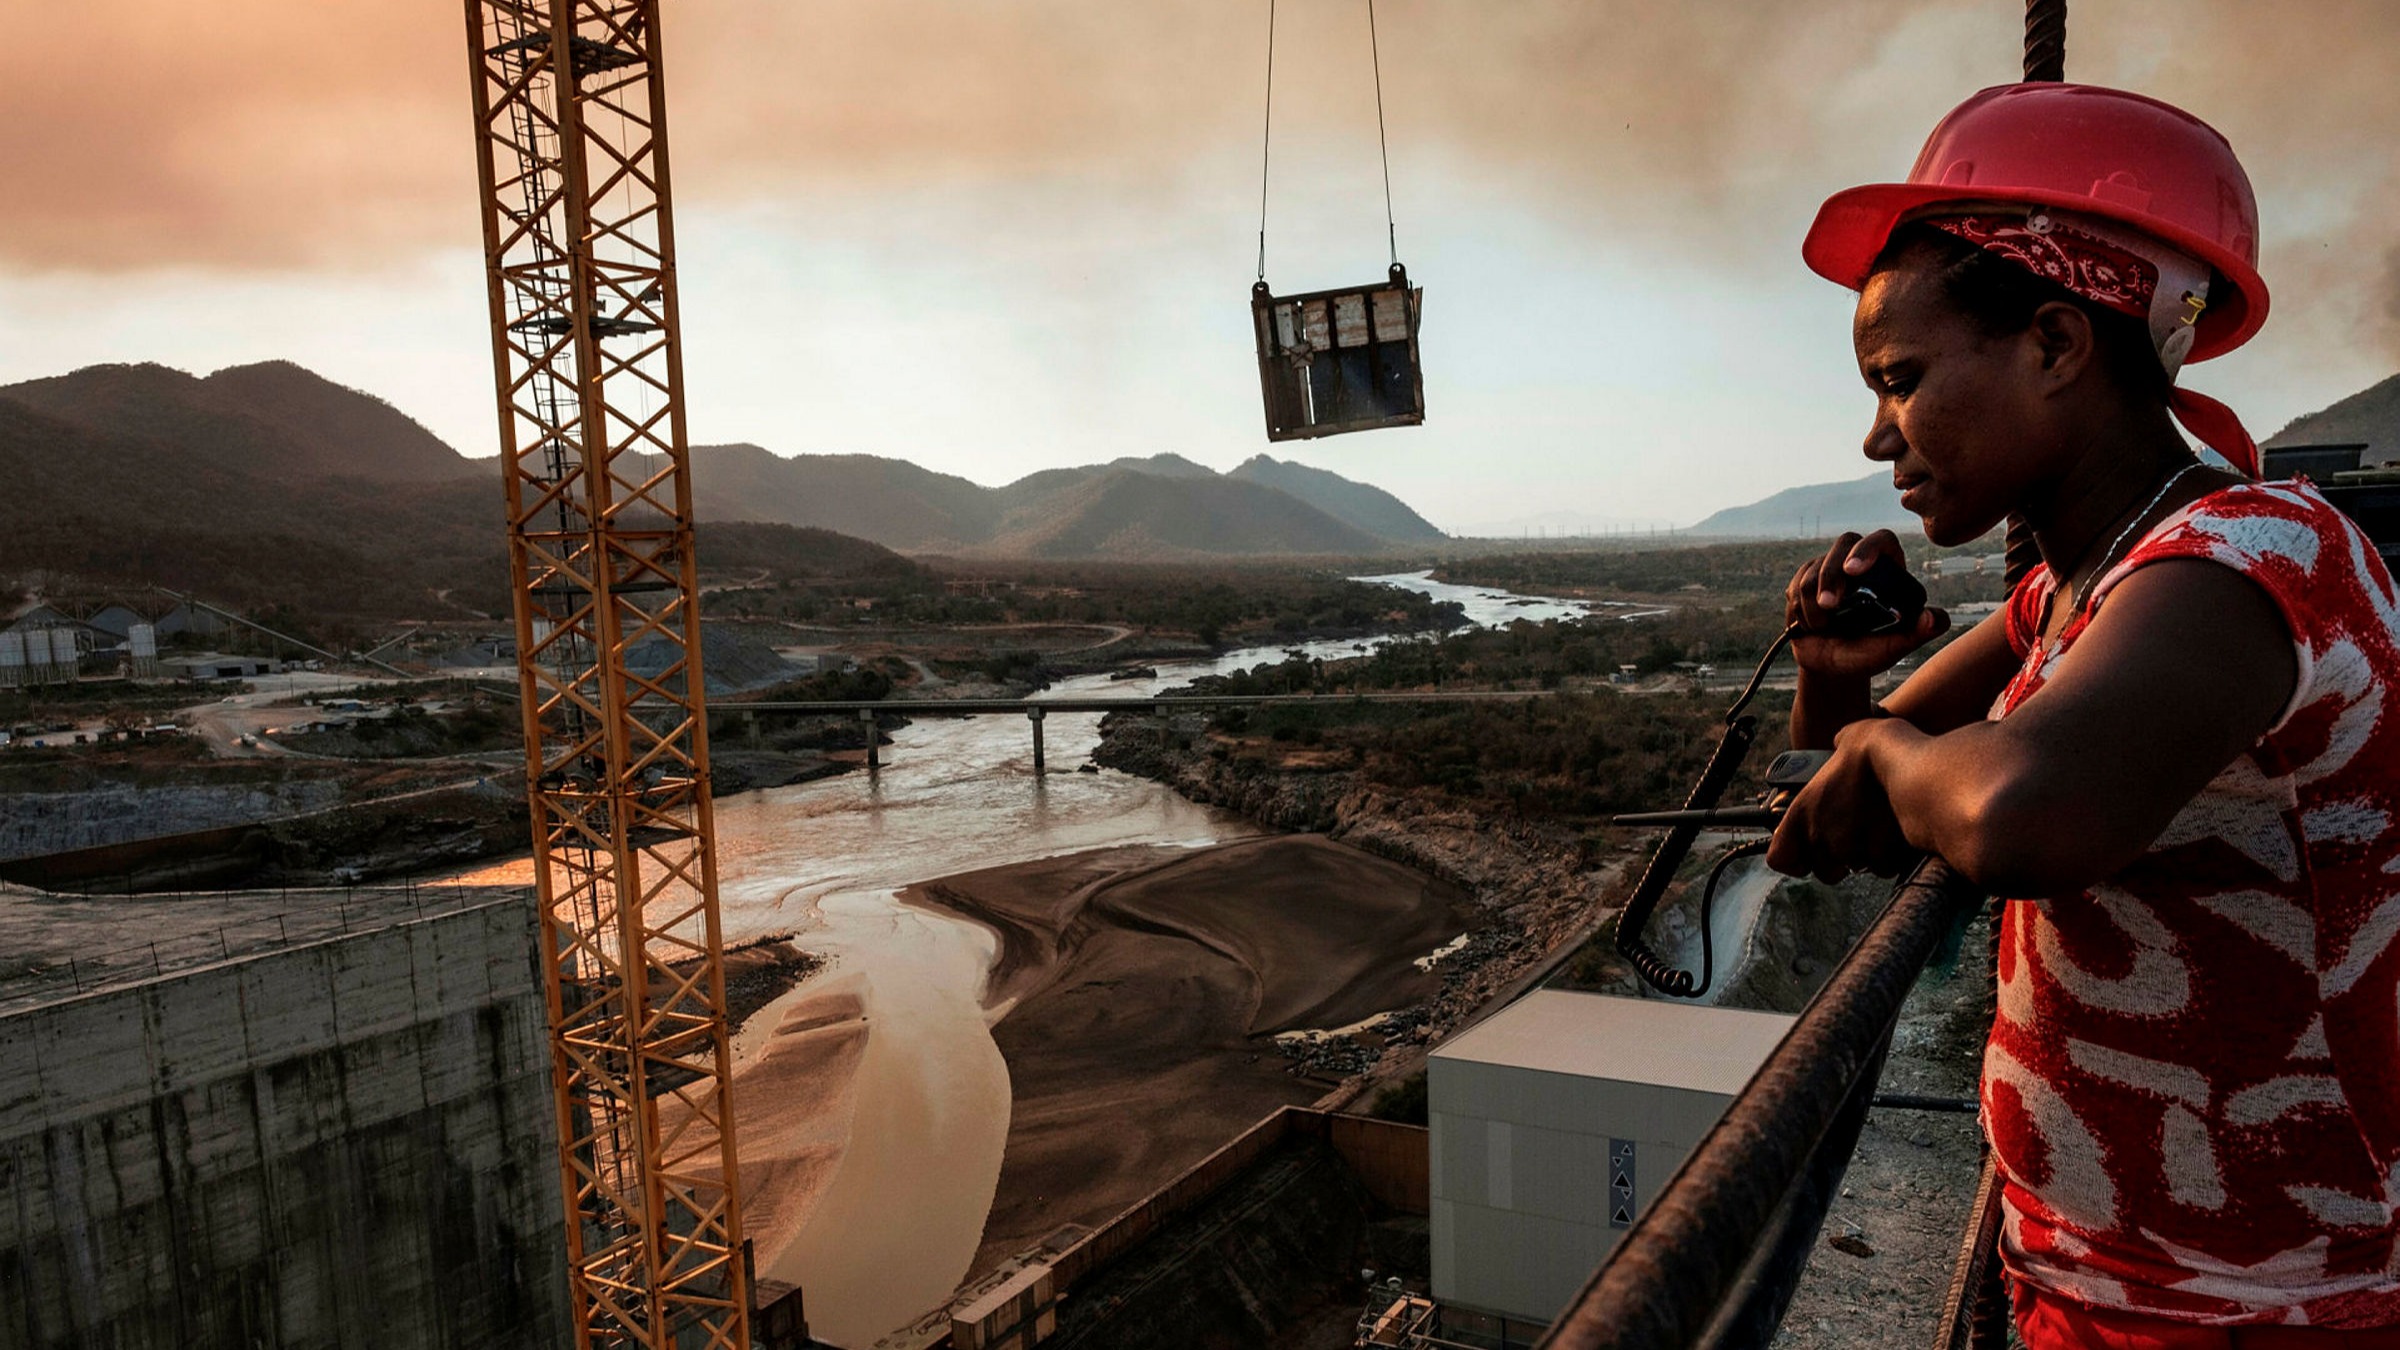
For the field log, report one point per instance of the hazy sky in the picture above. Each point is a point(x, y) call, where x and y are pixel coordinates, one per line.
point(994, 236)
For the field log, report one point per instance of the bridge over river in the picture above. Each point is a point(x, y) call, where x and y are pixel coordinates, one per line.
point(1035, 709)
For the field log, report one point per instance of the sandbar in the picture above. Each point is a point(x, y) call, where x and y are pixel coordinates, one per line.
point(1138, 990)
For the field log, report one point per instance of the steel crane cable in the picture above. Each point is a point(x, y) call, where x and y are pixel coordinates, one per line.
point(1383, 143)
point(1266, 141)
point(2045, 62)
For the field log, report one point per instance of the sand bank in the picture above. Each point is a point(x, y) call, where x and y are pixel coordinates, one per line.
point(1138, 990)
point(788, 1157)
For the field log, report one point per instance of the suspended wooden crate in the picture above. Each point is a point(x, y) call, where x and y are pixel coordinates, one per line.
point(1341, 360)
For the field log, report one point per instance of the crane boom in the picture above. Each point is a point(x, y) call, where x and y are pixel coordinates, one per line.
point(570, 121)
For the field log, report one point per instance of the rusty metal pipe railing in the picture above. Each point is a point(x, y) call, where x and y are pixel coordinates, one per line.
point(1975, 1313)
point(1716, 1256)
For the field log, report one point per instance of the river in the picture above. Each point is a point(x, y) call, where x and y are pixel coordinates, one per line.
point(895, 1230)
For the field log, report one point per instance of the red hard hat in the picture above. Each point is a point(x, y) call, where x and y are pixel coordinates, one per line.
point(2076, 147)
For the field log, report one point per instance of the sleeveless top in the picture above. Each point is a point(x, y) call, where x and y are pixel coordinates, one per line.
point(2192, 1086)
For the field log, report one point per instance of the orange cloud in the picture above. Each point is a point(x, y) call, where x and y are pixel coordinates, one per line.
point(255, 136)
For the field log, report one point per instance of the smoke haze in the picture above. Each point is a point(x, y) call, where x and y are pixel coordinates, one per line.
point(243, 133)
point(1030, 167)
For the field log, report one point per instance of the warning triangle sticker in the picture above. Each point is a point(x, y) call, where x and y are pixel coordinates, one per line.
point(1622, 1215)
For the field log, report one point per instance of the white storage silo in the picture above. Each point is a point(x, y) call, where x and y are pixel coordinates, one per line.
point(39, 667)
point(12, 660)
point(66, 655)
point(141, 643)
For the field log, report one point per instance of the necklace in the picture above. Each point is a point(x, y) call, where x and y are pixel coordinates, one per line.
point(2108, 557)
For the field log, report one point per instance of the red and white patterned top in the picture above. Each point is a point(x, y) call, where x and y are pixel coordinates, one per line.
point(2193, 1080)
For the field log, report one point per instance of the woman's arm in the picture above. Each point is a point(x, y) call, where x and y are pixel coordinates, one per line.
point(2184, 668)
point(1957, 685)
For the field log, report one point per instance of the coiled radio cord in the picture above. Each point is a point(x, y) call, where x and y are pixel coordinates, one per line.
point(1657, 971)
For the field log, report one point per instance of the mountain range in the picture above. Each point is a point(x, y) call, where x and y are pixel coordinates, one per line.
point(1814, 510)
point(268, 483)
point(1160, 506)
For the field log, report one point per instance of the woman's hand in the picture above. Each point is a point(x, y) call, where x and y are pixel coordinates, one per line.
point(1842, 822)
point(1820, 587)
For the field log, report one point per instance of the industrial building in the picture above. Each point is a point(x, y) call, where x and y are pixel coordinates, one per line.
point(56, 641)
point(1555, 1122)
point(214, 666)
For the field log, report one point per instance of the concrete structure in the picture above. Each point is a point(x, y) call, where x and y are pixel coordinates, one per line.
point(344, 1143)
point(211, 666)
point(1555, 1122)
point(65, 655)
point(52, 643)
point(141, 651)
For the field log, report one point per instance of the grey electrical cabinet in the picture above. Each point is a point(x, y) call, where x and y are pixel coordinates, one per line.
point(1342, 360)
point(1555, 1121)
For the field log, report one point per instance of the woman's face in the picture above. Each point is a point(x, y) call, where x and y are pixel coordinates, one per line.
point(1958, 415)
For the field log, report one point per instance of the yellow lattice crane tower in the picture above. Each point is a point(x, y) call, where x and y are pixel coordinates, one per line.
point(570, 120)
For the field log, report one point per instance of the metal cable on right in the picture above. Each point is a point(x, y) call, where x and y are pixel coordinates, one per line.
point(2045, 63)
point(1266, 135)
point(1383, 142)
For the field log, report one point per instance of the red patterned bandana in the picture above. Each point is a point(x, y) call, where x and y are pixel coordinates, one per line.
point(2126, 272)
point(2092, 268)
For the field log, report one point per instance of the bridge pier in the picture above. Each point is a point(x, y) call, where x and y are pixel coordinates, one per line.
point(1034, 715)
point(866, 718)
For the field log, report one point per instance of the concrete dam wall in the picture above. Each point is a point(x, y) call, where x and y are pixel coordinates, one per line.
point(36, 823)
point(346, 1143)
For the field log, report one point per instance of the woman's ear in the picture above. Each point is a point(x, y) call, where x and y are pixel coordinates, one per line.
point(2062, 334)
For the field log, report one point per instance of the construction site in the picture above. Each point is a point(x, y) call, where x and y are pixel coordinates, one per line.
point(1014, 970)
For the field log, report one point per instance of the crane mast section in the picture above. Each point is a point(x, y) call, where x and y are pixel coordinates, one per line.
point(570, 121)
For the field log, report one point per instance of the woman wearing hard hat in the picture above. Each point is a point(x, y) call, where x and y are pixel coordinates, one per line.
point(2180, 744)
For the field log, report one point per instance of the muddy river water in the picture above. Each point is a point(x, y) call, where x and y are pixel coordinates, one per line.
point(894, 1230)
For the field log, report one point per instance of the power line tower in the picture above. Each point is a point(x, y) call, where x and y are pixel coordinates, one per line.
point(570, 121)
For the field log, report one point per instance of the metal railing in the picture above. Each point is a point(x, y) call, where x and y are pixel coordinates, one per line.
point(1714, 1261)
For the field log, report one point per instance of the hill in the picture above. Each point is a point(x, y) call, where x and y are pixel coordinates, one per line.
point(1124, 514)
point(1160, 506)
point(1164, 466)
point(891, 501)
point(1861, 504)
point(273, 418)
point(1358, 505)
point(2371, 416)
point(324, 500)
